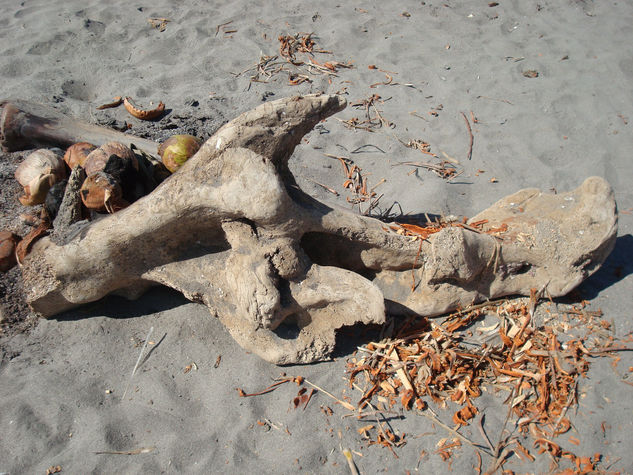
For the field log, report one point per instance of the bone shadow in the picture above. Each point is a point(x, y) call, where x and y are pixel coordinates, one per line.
point(349, 338)
point(156, 299)
point(618, 266)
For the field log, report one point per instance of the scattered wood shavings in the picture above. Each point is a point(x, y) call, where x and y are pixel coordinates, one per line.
point(539, 365)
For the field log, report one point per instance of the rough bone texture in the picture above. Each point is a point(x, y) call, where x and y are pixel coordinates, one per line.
point(283, 271)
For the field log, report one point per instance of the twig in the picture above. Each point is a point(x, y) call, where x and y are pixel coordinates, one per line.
point(152, 349)
point(441, 170)
point(463, 438)
point(144, 450)
point(608, 350)
point(455, 176)
point(370, 414)
point(327, 188)
point(138, 361)
point(479, 463)
point(415, 114)
point(360, 149)
point(217, 28)
point(498, 454)
point(570, 399)
point(350, 462)
point(269, 389)
point(480, 424)
point(310, 394)
point(470, 134)
point(495, 99)
point(500, 459)
point(489, 303)
point(275, 426)
point(382, 180)
point(346, 405)
point(379, 413)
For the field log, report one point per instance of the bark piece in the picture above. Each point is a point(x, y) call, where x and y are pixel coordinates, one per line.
point(70, 211)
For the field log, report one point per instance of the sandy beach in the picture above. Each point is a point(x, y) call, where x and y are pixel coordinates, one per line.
point(545, 87)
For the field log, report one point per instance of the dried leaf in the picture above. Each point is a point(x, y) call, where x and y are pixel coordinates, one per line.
point(327, 410)
point(190, 367)
point(406, 398)
point(387, 387)
point(462, 416)
point(574, 440)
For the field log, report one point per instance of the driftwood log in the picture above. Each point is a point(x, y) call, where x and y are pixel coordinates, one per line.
point(282, 271)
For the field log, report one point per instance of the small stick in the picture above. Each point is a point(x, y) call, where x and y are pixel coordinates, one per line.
point(217, 28)
point(327, 188)
point(346, 405)
point(144, 450)
point(495, 99)
point(498, 454)
point(455, 176)
point(501, 458)
point(116, 102)
point(415, 263)
point(608, 350)
point(308, 400)
point(470, 134)
point(570, 399)
point(370, 414)
point(380, 428)
point(269, 389)
point(435, 419)
point(480, 424)
point(454, 161)
point(415, 114)
point(275, 426)
point(347, 159)
point(360, 149)
point(382, 180)
point(350, 462)
point(137, 362)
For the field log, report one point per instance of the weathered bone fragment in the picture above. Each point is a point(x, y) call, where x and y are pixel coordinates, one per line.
point(283, 271)
point(25, 125)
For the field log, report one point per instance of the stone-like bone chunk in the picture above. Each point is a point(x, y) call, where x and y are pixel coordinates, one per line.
point(283, 271)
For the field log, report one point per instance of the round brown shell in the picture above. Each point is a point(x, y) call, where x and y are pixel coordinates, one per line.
point(8, 241)
point(77, 154)
point(97, 159)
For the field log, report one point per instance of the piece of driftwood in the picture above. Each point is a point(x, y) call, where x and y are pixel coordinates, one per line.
point(282, 271)
point(26, 125)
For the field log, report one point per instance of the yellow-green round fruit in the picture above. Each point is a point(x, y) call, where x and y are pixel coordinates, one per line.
point(177, 149)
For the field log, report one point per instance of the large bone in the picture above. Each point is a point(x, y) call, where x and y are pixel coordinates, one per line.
point(282, 271)
point(25, 125)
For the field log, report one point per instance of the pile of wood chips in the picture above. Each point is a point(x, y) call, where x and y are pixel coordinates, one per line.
point(537, 363)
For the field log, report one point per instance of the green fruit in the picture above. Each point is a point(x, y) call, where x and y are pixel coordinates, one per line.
point(176, 150)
